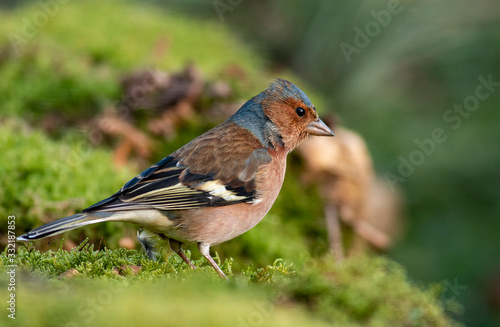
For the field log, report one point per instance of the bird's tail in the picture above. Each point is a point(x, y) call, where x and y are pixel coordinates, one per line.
point(65, 224)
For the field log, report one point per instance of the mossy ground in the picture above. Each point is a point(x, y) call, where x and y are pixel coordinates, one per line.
point(366, 291)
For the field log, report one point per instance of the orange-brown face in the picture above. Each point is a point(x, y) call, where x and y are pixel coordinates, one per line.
point(292, 117)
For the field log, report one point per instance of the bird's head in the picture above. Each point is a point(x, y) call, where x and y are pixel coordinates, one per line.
point(281, 116)
point(293, 114)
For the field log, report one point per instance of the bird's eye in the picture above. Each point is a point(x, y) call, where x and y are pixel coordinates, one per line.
point(300, 111)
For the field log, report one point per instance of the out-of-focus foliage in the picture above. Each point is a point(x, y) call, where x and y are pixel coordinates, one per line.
point(75, 53)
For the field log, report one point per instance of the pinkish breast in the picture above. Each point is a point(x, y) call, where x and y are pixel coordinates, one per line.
point(215, 225)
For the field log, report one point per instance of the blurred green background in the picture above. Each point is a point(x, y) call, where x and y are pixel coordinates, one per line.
point(393, 71)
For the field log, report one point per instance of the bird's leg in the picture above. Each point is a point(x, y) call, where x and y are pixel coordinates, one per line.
point(176, 246)
point(149, 240)
point(205, 251)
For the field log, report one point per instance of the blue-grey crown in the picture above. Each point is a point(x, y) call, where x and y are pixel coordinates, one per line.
point(282, 89)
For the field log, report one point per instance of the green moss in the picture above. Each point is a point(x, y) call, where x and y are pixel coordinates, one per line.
point(372, 291)
point(40, 81)
point(46, 179)
point(70, 67)
point(141, 36)
point(367, 291)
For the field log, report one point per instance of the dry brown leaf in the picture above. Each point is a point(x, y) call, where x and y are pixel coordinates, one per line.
point(70, 273)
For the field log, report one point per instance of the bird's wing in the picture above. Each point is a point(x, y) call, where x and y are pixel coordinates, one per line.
point(185, 183)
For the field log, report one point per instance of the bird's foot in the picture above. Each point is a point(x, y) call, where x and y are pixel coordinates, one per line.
point(205, 251)
point(176, 246)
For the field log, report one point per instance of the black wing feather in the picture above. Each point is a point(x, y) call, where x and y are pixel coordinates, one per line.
point(162, 187)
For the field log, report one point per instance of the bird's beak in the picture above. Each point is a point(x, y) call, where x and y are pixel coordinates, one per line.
point(319, 128)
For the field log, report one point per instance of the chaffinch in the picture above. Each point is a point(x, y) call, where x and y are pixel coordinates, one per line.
point(214, 188)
